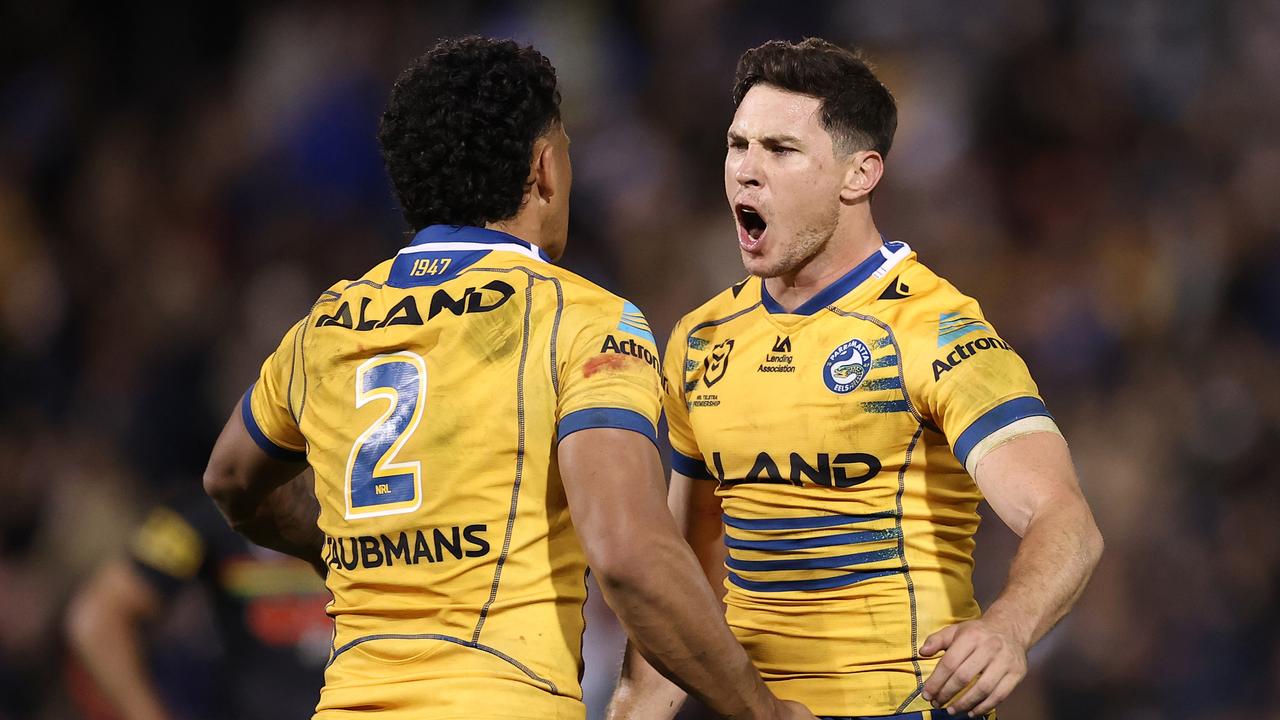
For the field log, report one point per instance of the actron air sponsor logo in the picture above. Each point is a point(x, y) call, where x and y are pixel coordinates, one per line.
point(964, 351)
point(630, 347)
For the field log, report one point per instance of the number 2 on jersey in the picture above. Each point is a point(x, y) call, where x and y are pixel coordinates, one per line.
point(376, 483)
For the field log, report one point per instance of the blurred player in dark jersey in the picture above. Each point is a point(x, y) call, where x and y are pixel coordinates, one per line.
point(268, 610)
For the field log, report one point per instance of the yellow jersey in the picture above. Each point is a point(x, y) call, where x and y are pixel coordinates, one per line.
point(839, 435)
point(429, 396)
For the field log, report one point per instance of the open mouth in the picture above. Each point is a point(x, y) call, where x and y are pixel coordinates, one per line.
point(752, 225)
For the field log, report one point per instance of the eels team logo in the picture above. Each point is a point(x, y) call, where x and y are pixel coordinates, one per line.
point(846, 366)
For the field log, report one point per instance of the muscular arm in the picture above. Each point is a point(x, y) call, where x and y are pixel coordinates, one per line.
point(104, 625)
point(642, 692)
point(1032, 486)
point(650, 577)
point(271, 502)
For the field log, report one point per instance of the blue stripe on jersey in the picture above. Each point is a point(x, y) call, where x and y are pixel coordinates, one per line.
point(997, 417)
point(268, 446)
point(431, 268)
point(639, 331)
point(470, 234)
point(689, 467)
point(880, 407)
point(618, 418)
point(837, 561)
point(952, 326)
point(830, 293)
point(838, 581)
point(633, 322)
point(801, 523)
point(889, 383)
point(849, 538)
point(885, 361)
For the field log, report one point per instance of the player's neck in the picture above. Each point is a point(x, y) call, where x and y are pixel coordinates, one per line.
point(522, 226)
point(848, 247)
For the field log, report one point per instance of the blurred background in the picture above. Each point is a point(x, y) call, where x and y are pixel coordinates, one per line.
point(178, 182)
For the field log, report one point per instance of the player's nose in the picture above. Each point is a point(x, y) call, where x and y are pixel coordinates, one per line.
point(748, 172)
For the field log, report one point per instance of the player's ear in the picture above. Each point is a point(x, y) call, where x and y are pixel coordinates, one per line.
point(862, 174)
point(544, 185)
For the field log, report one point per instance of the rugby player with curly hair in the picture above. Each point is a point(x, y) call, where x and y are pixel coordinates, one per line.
point(481, 424)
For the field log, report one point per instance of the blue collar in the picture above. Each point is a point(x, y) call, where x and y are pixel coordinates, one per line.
point(473, 236)
point(887, 254)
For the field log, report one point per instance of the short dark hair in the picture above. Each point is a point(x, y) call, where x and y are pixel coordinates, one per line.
point(458, 132)
point(857, 109)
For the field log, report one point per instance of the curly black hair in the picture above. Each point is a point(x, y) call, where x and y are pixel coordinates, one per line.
point(857, 109)
point(458, 132)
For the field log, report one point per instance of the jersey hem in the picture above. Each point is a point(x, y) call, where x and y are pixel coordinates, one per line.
point(551, 686)
point(996, 418)
point(616, 418)
point(689, 467)
point(1012, 431)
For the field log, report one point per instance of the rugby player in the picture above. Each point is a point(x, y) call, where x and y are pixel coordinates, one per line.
point(268, 612)
point(481, 424)
point(836, 419)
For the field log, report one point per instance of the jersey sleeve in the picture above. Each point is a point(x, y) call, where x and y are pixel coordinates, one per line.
point(686, 458)
point(269, 408)
point(978, 391)
point(609, 375)
point(167, 549)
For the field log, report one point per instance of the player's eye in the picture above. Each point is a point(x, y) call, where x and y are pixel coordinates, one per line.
point(781, 149)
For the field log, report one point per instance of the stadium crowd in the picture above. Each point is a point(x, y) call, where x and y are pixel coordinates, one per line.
point(178, 183)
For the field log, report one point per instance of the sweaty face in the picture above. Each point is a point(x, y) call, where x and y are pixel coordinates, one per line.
point(782, 180)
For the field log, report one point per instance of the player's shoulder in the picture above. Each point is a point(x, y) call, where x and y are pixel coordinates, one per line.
point(936, 326)
point(725, 305)
point(374, 279)
point(577, 287)
point(921, 305)
point(589, 304)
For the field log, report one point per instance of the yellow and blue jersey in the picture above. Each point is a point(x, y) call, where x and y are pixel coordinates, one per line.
point(429, 396)
point(842, 436)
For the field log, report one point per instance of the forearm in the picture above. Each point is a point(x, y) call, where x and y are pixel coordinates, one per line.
point(666, 617)
point(115, 658)
point(285, 521)
point(642, 692)
point(1058, 552)
point(111, 648)
point(268, 500)
point(1031, 484)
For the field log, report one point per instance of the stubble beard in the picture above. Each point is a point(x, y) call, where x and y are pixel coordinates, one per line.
point(807, 244)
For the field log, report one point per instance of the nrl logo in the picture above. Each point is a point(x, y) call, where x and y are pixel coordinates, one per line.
point(716, 362)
